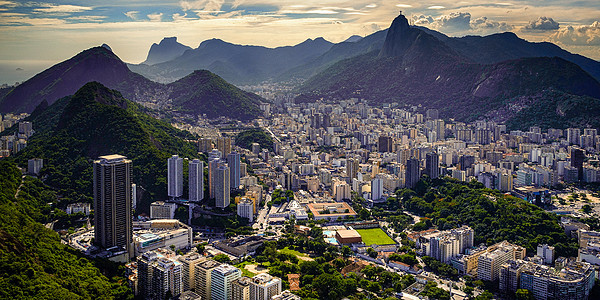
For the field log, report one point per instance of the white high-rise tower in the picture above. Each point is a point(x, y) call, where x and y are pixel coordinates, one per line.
point(233, 160)
point(196, 183)
point(175, 176)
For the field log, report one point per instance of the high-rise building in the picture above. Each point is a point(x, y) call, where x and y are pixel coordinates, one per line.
point(112, 202)
point(233, 161)
point(203, 278)
point(240, 288)
point(488, 267)
point(34, 166)
point(256, 148)
point(175, 176)
point(166, 276)
point(413, 172)
point(432, 165)
point(466, 161)
point(573, 136)
point(222, 186)
point(25, 128)
point(224, 145)
point(245, 209)
point(510, 274)
point(221, 280)
point(188, 263)
point(546, 253)
point(264, 287)
point(577, 157)
point(376, 189)
point(205, 145)
point(196, 180)
point(385, 144)
point(351, 168)
point(145, 264)
point(432, 114)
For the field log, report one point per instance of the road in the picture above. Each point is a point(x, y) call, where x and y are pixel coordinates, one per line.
point(262, 216)
point(272, 134)
point(19, 188)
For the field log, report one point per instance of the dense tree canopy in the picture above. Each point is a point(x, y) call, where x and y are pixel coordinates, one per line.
point(493, 215)
point(34, 264)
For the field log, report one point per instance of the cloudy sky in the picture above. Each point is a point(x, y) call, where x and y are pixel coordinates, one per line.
point(34, 35)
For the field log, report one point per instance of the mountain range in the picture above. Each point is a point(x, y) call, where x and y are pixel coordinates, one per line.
point(253, 64)
point(239, 64)
point(205, 93)
point(417, 68)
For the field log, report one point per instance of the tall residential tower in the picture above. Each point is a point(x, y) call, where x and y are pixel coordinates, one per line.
point(112, 202)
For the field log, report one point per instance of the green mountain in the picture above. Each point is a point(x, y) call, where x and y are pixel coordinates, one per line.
point(199, 92)
point(63, 79)
point(416, 68)
point(203, 92)
point(34, 264)
point(97, 121)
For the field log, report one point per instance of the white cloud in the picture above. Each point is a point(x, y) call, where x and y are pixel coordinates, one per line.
point(132, 14)
point(485, 25)
point(436, 7)
point(321, 11)
point(456, 21)
point(422, 20)
point(372, 5)
point(404, 5)
point(9, 3)
point(23, 19)
point(460, 22)
point(88, 18)
point(52, 8)
point(584, 35)
point(542, 23)
point(179, 17)
point(209, 5)
point(156, 17)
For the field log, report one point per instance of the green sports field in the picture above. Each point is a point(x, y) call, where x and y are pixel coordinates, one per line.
point(375, 236)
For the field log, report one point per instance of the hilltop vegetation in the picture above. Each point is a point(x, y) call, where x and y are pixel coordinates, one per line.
point(245, 139)
point(34, 264)
point(493, 216)
point(98, 121)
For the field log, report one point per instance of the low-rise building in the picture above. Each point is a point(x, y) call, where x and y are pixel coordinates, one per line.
point(162, 210)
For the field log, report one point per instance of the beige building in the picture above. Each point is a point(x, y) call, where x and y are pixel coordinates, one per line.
point(203, 278)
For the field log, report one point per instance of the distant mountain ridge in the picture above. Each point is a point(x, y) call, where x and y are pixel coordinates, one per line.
point(240, 64)
point(166, 50)
point(213, 97)
point(414, 67)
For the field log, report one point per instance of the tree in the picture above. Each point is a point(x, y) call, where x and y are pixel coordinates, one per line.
point(346, 251)
point(372, 253)
point(523, 294)
point(586, 209)
point(222, 258)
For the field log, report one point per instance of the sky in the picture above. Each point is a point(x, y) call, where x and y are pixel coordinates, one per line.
point(36, 35)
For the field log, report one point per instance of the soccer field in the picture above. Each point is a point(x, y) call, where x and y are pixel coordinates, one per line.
point(375, 236)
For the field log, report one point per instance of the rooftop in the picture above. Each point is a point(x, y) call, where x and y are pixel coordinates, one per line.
point(348, 233)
